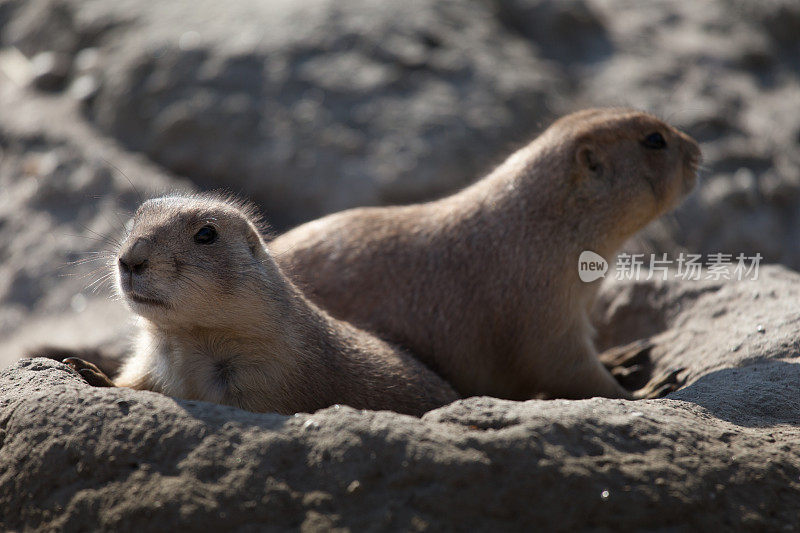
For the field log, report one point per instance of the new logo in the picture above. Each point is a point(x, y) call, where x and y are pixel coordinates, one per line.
point(591, 266)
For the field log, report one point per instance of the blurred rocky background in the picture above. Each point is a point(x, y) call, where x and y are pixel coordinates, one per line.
point(315, 106)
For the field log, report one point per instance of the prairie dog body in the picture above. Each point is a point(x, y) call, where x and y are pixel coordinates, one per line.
point(483, 285)
point(220, 322)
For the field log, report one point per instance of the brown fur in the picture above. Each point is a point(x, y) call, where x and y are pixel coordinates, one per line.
point(223, 324)
point(483, 285)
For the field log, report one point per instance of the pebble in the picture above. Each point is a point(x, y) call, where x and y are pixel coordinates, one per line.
point(50, 70)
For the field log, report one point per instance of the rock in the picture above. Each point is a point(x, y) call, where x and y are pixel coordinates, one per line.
point(569, 31)
point(35, 27)
point(66, 196)
point(87, 60)
point(84, 88)
point(722, 451)
point(50, 70)
point(781, 19)
point(320, 106)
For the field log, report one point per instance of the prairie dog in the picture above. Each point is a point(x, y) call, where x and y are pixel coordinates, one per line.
point(220, 322)
point(483, 285)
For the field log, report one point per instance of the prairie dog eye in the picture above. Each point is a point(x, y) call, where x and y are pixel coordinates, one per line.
point(654, 141)
point(205, 235)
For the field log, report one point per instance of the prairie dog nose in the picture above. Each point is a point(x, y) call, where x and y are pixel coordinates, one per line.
point(690, 147)
point(134, 258)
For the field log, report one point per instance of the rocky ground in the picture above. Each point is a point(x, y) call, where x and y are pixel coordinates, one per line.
point(311, 107)
point(722, 453)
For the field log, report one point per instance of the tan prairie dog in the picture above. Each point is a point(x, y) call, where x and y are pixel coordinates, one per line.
point(483, 285)
point(220, 322)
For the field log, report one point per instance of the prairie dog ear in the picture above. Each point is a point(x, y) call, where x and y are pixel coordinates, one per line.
point(589, 160)
point(254, 242)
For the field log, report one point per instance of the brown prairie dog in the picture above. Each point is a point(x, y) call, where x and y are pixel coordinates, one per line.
point(483, 285)
point(219, 321)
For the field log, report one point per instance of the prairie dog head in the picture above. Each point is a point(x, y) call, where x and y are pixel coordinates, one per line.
point(625, 169)
point(193, 261)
